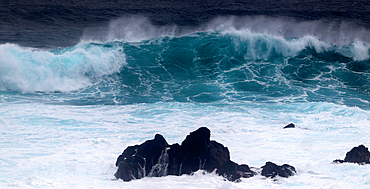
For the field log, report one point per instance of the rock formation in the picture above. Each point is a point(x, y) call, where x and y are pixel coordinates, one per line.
point(155, 158)
point(141, 160)
point(272, 170)
point(360, 155)
point(290, 125)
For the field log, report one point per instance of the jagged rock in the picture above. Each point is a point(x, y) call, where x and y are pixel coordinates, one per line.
point(290, 125)
point(155, 158)
point(137, 161)
point(272, 170)
point(245, 171)
point(233, 172)
point(196, 152)
point(360, 155)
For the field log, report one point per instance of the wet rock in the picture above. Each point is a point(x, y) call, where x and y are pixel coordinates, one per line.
point(290, 125)
point(137, 161)
point(233, 172)
point(245, 171)
point(195, 153)
point(360, 155)
point(272, 170)
point(155, 158)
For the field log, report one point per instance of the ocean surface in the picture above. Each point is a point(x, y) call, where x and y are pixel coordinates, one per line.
point(82, 80)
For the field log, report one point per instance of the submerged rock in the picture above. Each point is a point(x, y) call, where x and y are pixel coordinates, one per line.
point(290, 125)
point(233, 172)
point(272, 170)
point(155, 158)
point(360, 155)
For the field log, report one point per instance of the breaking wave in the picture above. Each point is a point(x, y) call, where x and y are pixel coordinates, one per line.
point(220, 61)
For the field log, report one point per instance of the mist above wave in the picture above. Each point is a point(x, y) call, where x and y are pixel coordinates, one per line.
point(347, 38)
point(136, 28)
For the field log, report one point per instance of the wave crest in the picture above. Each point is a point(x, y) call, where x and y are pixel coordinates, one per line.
point(25, 69)
point(262, 45)
point(264, 34)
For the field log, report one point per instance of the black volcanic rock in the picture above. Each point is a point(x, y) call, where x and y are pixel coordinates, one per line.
point(290, 125)
point(245, 171)
point(137, 161)
point(196, 152)
point(155, 158)
point(360, 155)
point(233, 172)
point(272, 170)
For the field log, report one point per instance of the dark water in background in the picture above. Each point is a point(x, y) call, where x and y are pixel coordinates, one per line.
point(62, 23)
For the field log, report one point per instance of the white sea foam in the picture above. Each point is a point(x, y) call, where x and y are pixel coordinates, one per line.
point(137, 28)
point(52, 146)
point(329, 31)
point(263, 44)
point(357, 50)
point(47, 146)
point(25, 69)
point(287, 36)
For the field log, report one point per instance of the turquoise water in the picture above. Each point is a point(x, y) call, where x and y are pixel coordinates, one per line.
point(67, 113)
point(204, 67)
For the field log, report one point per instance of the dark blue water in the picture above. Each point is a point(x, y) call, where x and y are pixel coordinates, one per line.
point(42, 23)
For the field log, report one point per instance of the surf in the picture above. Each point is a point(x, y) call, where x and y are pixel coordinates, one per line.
point(28, 70)
point(137, 62)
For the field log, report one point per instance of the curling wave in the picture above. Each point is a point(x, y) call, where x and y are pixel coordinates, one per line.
point(224, 65)
point(29, 70)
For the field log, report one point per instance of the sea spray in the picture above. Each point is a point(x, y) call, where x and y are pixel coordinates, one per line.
point(30, 70)
point(205, 67)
